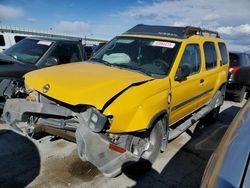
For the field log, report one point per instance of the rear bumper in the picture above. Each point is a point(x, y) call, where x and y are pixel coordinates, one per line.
point(234, 88)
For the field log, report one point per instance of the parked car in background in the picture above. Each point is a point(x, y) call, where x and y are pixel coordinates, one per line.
point(89, 50)
point(99, 46)
point(229, 165)
point(123, 104)
point(34, 53)
point(236, 90)
point(9, 39)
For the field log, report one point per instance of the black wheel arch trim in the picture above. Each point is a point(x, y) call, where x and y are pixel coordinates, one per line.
point(156, 117)
point(160, 115)
point(222, 88)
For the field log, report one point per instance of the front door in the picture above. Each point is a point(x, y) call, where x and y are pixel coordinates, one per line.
point(186, 93)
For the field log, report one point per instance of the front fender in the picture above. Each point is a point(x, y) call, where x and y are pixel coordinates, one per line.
point(134, 110)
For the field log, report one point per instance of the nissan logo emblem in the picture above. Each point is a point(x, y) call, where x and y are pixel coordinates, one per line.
point(46, 88)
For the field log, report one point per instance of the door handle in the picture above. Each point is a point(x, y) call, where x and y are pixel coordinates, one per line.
point(202, 81)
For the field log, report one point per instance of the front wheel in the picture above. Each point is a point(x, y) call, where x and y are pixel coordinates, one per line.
point(148, 145)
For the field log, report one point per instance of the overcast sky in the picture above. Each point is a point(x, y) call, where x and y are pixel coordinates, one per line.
point(105, 19)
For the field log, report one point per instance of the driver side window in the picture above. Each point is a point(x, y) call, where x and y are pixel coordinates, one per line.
point(191, 58)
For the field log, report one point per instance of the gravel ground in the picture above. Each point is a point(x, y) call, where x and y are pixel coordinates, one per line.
point(53, 162)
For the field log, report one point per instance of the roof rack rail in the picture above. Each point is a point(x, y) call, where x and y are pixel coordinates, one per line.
point(169, 31)
point(190, 30)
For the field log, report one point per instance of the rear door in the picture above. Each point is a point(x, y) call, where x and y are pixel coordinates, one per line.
point(211, 70)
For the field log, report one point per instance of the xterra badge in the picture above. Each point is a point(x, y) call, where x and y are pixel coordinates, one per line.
point(46, 88)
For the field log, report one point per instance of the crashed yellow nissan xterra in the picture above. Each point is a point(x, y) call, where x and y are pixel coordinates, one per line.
point(143, 88)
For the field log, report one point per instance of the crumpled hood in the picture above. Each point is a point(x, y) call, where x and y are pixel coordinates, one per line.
point(83, 82)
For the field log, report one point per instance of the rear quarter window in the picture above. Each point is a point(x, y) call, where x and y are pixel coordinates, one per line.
point(210, 55)
point(224, 53)
point(2, 42)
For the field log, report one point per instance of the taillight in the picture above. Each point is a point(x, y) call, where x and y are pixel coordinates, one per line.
point(233, 70)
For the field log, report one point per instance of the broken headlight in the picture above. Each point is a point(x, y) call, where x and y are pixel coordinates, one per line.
point(97, 120)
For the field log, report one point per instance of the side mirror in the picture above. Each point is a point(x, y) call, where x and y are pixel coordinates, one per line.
point(51, 61)
point(182, 73)
point(242, 76)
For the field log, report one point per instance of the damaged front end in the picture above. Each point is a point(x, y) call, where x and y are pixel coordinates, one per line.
point(94, 143)
point(11, 88)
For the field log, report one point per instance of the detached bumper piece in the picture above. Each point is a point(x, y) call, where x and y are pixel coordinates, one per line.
point(93, 147)
point(20, 110)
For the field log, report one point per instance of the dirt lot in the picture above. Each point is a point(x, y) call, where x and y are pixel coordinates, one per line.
point(53, 162)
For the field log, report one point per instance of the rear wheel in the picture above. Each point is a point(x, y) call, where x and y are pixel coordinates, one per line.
point(214, 114)
point(240, 96)
point(147, 145)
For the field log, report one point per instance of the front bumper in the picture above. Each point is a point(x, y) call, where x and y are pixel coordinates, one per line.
point(19, 110)
point(94, 148)
point(91, 146)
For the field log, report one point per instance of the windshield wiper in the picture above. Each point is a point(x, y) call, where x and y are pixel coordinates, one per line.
point(101, 61)
point(131, 67)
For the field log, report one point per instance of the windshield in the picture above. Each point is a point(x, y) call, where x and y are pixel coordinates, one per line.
point(28, 50)
point(149, 56)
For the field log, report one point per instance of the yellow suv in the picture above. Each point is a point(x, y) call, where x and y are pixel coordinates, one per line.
point(126, 102)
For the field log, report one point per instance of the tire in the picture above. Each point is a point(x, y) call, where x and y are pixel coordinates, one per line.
point(153, 137)
point(240, 97)
point(213, 115)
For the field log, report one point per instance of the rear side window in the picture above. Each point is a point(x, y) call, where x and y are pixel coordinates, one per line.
point(210, 55)
point(2, 42)
point(18, 38)
point(191, 58)
point(234, 60)
point(223, 52)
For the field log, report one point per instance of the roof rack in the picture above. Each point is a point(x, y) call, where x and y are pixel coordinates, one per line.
point(190, 30)
point(169, 31)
